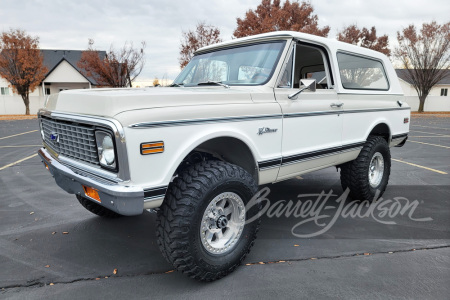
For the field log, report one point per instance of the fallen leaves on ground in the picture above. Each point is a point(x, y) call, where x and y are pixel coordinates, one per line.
point(115, 271)
point(65, 232)
point(17, 117)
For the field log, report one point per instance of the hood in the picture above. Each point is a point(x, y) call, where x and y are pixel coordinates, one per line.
point(110, 102)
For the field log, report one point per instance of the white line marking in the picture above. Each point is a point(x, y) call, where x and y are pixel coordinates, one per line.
point(17, 134)
point(419, 166)
point(429, 144)
point(431, 127)
point(20, 146)
point(19, 161)
point(429, 136)
point(427, 132)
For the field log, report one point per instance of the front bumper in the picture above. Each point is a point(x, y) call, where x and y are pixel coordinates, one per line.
point(124, 200)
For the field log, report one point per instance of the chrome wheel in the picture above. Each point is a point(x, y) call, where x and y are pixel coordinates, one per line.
point(376, 170)
point(222, 223)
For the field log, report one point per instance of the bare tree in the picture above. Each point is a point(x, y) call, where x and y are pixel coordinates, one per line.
point(21, 63)
point(272, 16)
point(119, 68)
point(203, 35)
point(365, 38)
point(425, 55)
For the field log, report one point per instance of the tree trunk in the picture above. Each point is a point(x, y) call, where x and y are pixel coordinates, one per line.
point(26, 101)
point(422, 102)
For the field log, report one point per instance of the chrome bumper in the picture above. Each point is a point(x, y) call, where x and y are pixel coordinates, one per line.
point(124, 200)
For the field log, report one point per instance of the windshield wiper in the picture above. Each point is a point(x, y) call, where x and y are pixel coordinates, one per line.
point(214, 83)
point(176, 84)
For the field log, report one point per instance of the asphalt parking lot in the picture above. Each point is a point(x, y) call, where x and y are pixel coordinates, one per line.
point(51, 247)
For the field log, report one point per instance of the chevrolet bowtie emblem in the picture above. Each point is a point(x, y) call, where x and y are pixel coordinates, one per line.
point(54, 137)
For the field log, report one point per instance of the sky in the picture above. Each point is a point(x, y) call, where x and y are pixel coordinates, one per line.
point(68, 24)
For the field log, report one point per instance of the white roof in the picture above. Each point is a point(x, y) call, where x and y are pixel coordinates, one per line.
point(332, 44)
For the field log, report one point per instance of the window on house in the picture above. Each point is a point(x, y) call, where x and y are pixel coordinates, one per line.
point(444, 92)
point(47, 91)
point(5, 91)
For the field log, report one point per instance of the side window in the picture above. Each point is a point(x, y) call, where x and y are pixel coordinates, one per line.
point(361, 73)
point(310, 64)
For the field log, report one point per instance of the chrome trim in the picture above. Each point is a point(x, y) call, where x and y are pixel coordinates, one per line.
point(119, 135)
point(200, 121)
point(153, 202)
point(257, 117)
point(89, 168)
point(125, 200)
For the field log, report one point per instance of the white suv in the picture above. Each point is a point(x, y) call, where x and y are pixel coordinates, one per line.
point(242, 113)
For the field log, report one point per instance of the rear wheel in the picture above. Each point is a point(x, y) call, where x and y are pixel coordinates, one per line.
point(201, 226)
point(367, 176)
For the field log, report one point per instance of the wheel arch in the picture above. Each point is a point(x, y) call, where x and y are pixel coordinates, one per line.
point(380, 128)
point(242, 152)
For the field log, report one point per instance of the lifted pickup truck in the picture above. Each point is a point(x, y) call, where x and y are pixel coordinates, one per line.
point(242, 113)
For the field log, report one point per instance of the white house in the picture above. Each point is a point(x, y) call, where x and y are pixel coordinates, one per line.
point(437, 100)
point(63, 74)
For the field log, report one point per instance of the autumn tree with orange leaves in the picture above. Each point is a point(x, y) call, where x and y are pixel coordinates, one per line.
point(21, 63)
point(191, 40)
point(425, 54)
point(118, 68)
point(365, 38)
point(272, 16)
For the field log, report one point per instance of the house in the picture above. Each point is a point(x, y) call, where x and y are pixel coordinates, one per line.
point(440, 89)
point(63, 74)
point(438, 99)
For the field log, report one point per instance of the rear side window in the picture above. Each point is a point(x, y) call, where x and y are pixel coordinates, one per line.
point(360, 73)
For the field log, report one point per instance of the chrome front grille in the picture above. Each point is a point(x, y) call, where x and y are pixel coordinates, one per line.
point(69, 139)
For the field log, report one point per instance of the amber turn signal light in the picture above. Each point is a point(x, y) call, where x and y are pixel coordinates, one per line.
point(92, 193)
point(152, 148)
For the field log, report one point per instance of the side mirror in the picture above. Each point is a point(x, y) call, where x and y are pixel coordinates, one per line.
point(309, 84)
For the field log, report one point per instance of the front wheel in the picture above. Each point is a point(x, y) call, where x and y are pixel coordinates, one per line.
point(201, 226)
point(367, 176)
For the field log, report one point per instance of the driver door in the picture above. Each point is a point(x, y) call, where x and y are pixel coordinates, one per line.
point(312, 121)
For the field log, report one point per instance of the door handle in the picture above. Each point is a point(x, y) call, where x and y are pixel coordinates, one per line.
point(337, 104)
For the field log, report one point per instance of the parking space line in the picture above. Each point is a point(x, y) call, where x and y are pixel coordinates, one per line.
point(427, 132)
point(19, 161)
point(419, 166)
point(429, 144)
point(429, 136)
point(20, 146)
point(6, 137)
point(430, 127)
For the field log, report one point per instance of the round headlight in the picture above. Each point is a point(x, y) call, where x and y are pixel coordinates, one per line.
point(108, 150)
point(105, 147)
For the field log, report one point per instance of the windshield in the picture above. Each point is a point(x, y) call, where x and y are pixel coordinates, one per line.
point(243, 65)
